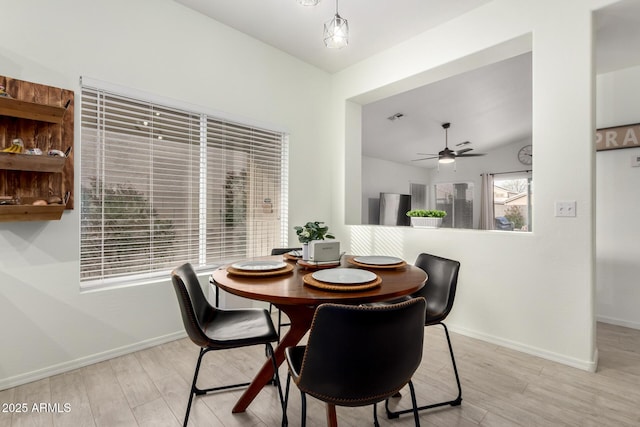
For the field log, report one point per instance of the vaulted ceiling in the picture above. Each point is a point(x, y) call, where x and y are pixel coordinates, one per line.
point(489, 106)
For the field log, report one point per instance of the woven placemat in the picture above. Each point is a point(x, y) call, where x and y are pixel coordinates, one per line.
point(290, 257)
point(313, 266)
point(360, 264)
point(250, 273)
point(309, 280)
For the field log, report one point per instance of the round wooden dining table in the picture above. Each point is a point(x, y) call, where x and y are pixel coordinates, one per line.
point(299, 301)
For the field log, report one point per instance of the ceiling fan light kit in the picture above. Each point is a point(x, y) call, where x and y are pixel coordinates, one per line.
point(446, 158)
point(309, 2)
point(449, 156)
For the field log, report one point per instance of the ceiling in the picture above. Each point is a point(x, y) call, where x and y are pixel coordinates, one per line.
point(374, 25)
point(489, 106)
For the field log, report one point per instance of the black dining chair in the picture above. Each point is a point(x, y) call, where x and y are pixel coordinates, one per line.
point(281, 251)
point(212, 328)
point(439, 292)
point(358, 355)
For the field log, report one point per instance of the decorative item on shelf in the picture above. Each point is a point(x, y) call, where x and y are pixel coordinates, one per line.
point(311, 231)
point(9, 200)
point(33, 152)
point(422, 218)
point(3, 93)
point(17, 146)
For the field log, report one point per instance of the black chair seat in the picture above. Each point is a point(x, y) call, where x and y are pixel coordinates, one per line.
point(239, 328)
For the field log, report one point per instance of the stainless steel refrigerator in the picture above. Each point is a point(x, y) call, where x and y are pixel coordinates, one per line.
point(394, 208)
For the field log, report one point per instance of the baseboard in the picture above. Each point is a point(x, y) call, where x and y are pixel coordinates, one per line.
point(618, 322)
point(60, 368)
point(585, 365)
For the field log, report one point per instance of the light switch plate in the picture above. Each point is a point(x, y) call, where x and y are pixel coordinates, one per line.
point(635, 160)
point(566, 208)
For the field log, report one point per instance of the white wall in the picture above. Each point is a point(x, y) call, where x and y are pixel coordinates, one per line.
point(160, 47)
point(618, 204)
point(538, 295)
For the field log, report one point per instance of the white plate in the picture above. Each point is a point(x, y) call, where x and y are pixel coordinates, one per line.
point(258, 265)
point(378, 260)
point(345, 276)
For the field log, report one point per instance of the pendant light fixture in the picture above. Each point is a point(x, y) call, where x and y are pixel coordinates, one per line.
point(336, 31)
point(309, 2)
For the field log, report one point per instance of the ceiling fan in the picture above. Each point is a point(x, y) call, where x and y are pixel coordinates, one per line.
point(447, 155)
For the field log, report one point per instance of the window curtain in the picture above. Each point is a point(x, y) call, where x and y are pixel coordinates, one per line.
point(486, 202)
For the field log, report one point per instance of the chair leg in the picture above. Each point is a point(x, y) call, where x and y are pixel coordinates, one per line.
point(414, 404)
point(279, 324)
point(303, 402)
point(375, 415)
point(193, 387)
point(276, 378)
point(455, 402)
point(195, 391)
point(458, 400)
point(286, 401)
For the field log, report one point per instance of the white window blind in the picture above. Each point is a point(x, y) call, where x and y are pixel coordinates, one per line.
point(163, 185)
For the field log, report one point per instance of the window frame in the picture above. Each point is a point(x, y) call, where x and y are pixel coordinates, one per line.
point(206, 117)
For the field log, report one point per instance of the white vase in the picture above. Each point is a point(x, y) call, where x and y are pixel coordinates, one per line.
point(426, 222)
point(305, 251)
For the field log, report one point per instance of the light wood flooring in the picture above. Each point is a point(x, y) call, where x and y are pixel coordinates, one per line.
point(500, 387)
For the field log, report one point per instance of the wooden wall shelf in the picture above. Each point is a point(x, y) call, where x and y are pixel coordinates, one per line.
point(42, 116)
point(30, 110)
point(28, 162)
point(10, 213)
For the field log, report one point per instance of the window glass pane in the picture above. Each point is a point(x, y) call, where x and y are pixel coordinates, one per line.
point(418, 196)
point(512, 204)
point(161, 186)
point(457, 201)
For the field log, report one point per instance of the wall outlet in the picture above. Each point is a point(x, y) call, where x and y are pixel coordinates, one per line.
point(566, 209)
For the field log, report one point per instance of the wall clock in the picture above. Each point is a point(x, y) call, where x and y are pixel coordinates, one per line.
point(525, 155)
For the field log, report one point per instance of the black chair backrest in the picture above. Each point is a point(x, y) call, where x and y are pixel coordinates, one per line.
point(358, 355)
point(196, 310)
point(440, 289)
point(282, 251)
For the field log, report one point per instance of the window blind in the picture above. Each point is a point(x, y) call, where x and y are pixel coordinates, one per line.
point(162, 185)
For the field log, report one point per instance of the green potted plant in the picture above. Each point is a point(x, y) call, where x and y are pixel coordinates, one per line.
point(315, 230)
point(423, 218)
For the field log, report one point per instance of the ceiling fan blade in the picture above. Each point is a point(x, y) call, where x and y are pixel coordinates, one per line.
point(464, 150)
point(426, 154)
point(470, 155)
point(424, 158)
